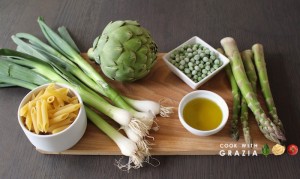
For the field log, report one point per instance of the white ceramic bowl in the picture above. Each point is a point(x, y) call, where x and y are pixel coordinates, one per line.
point(185, 78)
point(60, 141)
point(207, 95)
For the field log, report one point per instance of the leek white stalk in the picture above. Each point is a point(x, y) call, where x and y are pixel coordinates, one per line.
point(142, 144)
point(143, 105)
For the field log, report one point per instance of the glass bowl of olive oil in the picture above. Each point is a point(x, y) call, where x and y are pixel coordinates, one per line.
point(203, 113)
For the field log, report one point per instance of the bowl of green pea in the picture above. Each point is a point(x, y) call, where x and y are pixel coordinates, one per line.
point(195, 62)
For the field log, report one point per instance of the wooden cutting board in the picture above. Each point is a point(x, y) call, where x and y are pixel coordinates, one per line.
point(172, 138)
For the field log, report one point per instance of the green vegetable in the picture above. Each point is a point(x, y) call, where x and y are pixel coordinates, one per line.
point(195, 62)
point(265, 150)
point(247, 56)
point(234, 131)
point(264, 83)
point(267, 127)
point(244, 121)
point(125, 51)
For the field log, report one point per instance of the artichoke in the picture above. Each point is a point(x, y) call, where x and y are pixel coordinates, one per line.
point(125, 51)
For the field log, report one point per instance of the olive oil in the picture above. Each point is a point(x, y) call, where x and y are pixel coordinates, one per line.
point(202, 114)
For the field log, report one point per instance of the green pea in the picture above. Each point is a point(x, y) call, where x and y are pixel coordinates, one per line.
point(189, 75)
point(207, 51)
point(181, 57)
point(189, 50)
point(187, 71)
point(181, 67)
point(207, 67)
point(197, 62)
point(208, 73)
point(195, 77)
point(212, 70)
point(177, 59)
point(177, 64)
point(207, 63)
point(192, 60)
point(212, 53)
point(194, 72)
point(197, 68)
point(190, 54)
point(197, 57)
point(190, 64)
point(217, 62)
point(191, 68)
point(182, 62)
point(212, 57)
point(205, 59)
point(172, 55)
point(201, 65)
point(173, 61)
point(202, 54)
point(199, 78)
point(204, 71)
point(186, 59)
point(203, 75)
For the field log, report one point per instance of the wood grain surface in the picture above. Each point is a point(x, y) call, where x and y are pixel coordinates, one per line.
point(275, 24)
point(172, 138)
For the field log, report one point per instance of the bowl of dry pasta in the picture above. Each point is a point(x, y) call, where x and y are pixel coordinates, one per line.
point(53, 117)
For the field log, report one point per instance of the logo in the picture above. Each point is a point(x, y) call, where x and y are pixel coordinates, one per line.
point(278, 149)
point(265, 150)
point(231, 149)
point(292, 149)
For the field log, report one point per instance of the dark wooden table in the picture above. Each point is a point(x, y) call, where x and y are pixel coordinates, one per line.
point(275, 24)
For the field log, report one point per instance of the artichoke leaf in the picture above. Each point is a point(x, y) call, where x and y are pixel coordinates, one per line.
point(112, 26)
point(109, 71)
point(132, 22)
point(125, 73)
point(121, 34)
point(136, 30)
point(127, 58)
point(133, 44)
point(111, 51)
point(142, 58)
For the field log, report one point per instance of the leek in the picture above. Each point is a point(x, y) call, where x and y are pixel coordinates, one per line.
point(29, 66)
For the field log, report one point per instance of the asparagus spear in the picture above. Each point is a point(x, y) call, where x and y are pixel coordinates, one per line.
point(267, 127)
point(234, 131)
point(264, 83)
point(247, 56)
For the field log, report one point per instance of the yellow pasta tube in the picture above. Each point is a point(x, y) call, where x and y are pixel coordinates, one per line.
point(59, 124)
point(24, 110)
point(28, 122)
point(33, 118)
point(58, 118)
point(60, 129)
point(39, 116)
point(68, 109)
point(45, 119)
point(39, 94)
point(50, 99)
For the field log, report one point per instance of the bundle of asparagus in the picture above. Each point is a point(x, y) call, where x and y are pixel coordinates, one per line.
point(242, 76)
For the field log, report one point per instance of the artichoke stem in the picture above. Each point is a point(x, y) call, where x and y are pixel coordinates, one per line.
point(91, 53)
